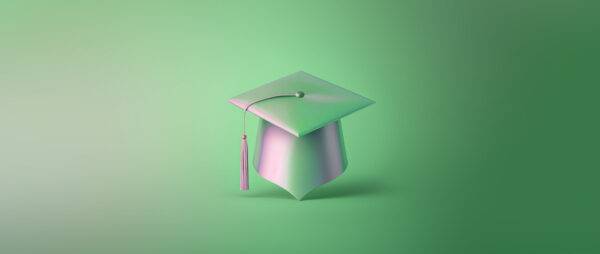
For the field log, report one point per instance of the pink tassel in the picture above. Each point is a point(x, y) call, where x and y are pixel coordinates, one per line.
point(244, 185)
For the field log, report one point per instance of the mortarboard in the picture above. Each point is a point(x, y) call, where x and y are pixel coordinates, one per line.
point(300, 145)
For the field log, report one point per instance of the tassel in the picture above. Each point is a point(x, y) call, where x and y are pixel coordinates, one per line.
point(244, 185)
point(244, 165)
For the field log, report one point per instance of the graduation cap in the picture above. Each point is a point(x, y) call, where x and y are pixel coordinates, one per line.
point(300, 145)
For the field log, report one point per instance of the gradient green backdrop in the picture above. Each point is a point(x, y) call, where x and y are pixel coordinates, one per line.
point(116, 135)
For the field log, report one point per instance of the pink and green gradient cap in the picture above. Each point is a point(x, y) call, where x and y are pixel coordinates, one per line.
point(299, 142)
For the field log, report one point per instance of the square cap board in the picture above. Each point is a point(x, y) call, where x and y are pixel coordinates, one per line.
point(322, 103)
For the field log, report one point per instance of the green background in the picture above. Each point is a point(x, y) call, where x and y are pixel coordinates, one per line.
point(116, 135)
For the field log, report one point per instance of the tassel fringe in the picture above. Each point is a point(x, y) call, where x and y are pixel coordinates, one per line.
point(244, 183)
